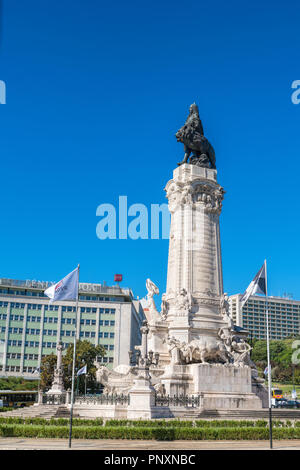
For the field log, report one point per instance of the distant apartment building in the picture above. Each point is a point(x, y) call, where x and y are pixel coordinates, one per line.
point(284, 316)
point(30, 327)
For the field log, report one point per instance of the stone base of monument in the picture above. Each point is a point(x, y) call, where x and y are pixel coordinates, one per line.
point(101, 411)
point(262, 393)
point(56, 389)
point(220, 386)
point(142, 402)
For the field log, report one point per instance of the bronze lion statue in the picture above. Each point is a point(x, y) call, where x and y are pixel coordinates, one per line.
point(192, 137)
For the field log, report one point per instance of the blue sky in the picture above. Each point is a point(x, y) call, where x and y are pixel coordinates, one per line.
point(95, 93)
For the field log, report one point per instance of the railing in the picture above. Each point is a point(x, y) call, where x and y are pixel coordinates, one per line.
point(102, 400)
point(54, 399)
point(178, 400)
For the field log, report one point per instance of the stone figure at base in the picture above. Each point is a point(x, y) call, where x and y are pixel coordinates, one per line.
point(174, 348)
point(224, 304)
point(151, 313)
point(184, 302)
point(113, 381)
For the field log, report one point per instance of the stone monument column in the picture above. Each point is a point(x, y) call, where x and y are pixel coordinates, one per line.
point(194, 279)
point(57, 387)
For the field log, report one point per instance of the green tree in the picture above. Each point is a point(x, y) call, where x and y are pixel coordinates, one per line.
point(281, 358)
point(86, 354)
point(48, 365)
point(17, 383)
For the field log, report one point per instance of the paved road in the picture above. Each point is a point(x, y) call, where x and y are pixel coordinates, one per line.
point(13, 443)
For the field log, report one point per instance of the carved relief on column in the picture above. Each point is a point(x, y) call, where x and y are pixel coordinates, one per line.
point(210, 195)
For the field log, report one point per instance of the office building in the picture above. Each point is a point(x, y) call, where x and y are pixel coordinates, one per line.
point(284, 316)
point(30, 326)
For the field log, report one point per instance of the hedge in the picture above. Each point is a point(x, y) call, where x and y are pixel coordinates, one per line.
point(147, 433)
point(149, 423)
point(198, 423)
point(78, 422)
point(51, 422)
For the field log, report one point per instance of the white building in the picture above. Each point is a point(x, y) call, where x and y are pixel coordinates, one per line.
point(284, 316)
point(30, 327)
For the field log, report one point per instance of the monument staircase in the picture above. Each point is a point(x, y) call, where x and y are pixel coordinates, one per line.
point(236, 414)
point(59, 411)
point(40, 411)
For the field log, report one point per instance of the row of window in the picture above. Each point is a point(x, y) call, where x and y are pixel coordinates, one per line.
point(101, 322)
point(14, 342)
point(67, 333)
point(17, 369)
point(32, 331)
point(111, 311)
point(69, 321)
point(31, 369)
point(97, 299)
point(56, 307)
point(31, 344)
point(31, 357)
point(106, 360)
point(107, 347)
point(91, 334)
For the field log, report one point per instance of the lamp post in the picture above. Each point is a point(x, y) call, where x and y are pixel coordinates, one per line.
point(143, 358)
point(142, 394)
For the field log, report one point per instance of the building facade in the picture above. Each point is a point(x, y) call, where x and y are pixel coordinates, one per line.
point(284, 316)
point(31, 327)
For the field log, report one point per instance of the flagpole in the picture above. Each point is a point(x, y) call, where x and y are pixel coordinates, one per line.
point(73, 367)
point(269, 363)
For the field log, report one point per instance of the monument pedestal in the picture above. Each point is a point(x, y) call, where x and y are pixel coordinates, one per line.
point(142, 400)
point(57, 387)
point(220, 386)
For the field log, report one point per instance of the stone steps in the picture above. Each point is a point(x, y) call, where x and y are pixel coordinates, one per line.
point(41, 411)
point(64, 412)
point(243, 414)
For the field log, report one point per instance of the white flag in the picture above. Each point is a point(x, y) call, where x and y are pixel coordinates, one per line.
point(257, 286)
point(66, 289)
point(82, 371)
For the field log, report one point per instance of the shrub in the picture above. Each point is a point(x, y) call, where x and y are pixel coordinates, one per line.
point(148, 423)
point(50, 422)
point(158, 433)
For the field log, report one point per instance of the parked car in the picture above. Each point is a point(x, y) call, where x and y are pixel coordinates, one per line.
point(283, 403)
point(279, 403)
